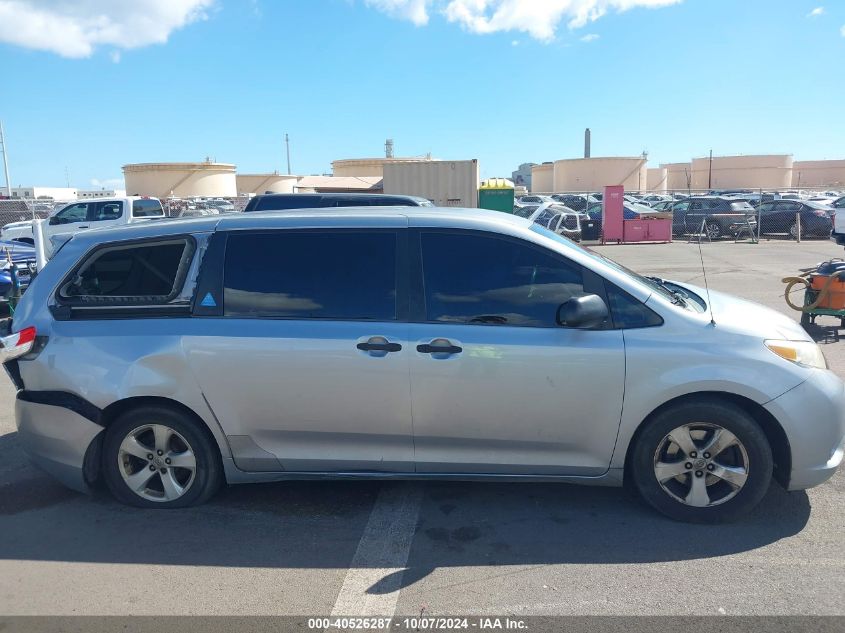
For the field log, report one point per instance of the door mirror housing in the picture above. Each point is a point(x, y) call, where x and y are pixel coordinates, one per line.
point(582, 312)
point(55, 220)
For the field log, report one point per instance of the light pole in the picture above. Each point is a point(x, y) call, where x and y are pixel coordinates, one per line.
point(5, 162)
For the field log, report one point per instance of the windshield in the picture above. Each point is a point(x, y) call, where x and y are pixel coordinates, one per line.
point(648, 281)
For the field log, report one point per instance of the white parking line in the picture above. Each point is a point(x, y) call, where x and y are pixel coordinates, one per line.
point(382, 553)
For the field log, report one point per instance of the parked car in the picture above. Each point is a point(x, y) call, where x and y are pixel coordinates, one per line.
point(780, 217)
point(663, 205)
point(220, 204)
point(630, 211)
point(534, 199)
point(18, 232)
point(286, 201)
point(559, 219)
point(278, 338)
point(22, 256)
point(576, 202)
point(89, 214)
point(720, 216)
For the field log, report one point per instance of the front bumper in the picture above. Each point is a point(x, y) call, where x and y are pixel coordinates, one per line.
point(56, 440)
point(813, 416)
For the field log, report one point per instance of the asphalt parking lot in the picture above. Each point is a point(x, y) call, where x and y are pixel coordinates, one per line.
point(435, 548)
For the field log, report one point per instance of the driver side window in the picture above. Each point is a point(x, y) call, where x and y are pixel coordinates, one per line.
point(482, 279)
point(72, 214)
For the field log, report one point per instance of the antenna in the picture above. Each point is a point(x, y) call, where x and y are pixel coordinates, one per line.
point(706, 286)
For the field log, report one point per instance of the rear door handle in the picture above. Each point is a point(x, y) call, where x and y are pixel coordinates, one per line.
point(439, 346)
point(82, 227)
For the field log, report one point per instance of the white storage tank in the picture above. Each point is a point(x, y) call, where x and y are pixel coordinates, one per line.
point(678, 176)
point(594, 174)
point(447, 183)
point(181, 180)
point(766, 171)
point(265, 183)
point(656, 179)
point(819, 173)
point(543, 178)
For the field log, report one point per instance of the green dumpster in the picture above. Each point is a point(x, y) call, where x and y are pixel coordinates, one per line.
point(496, 194)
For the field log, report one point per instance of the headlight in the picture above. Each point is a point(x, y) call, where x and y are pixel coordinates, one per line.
point(803, 353)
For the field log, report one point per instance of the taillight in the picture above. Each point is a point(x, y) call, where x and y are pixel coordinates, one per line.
point(17, 344)
point(820, 213)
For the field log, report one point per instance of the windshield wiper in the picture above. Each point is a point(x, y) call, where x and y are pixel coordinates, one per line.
point(678, 298)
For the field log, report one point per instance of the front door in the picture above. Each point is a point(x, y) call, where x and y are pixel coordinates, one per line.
point(497, 386)
point(307, 368)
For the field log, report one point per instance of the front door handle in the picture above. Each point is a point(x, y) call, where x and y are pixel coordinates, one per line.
point(439, 346)
point(82, 227)
point(379, 344)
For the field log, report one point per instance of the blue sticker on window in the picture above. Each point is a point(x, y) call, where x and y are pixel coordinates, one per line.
point(208, 301)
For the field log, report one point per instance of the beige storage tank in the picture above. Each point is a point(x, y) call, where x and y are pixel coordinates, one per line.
point(543, 178)
point(181, 180)
point(265, 183)
point(447, 183)
point(594, 174)
point(678, 176)
point(767, 171)
point(656, 179)
point(357, 167)
point(818, 173)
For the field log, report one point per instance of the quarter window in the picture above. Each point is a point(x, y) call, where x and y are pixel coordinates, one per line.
point(480, 279)
point(347, 275)
point(129, 275)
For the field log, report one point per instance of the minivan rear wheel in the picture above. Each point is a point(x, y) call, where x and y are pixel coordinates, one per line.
point(702, 461)
point(155, 457)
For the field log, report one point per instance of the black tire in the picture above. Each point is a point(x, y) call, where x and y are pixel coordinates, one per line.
point(208, 474)
point(709, 411)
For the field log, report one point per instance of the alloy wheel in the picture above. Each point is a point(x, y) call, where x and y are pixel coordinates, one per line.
point(701, 464)
point(156, 463)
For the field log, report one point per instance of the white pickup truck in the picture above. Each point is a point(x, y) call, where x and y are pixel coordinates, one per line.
point(838, 214)
point(87, 214)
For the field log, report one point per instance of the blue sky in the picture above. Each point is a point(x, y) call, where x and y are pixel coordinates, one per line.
point(341, 76)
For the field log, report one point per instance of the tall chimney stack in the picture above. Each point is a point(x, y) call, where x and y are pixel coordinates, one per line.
point(587, 143)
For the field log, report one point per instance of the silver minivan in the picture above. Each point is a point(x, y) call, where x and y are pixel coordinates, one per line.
point(167, 358)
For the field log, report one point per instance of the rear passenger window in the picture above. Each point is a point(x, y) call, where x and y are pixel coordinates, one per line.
point(133, 274)
point(348, 275)
point(147, 209)
point(481, 279)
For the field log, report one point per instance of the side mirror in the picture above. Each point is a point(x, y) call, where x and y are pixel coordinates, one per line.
point(582, 312)
point(55, 220)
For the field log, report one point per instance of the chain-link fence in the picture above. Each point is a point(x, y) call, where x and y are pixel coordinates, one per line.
point(738, 214)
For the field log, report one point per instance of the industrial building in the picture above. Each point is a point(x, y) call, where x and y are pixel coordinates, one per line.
point(162, 180)
point(447, 183)
point(543, 177)
point(522, 175)
point(369, 167)
point(45, 193)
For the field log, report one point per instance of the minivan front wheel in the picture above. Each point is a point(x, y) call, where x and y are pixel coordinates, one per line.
point(704, 462)
point(154, 457)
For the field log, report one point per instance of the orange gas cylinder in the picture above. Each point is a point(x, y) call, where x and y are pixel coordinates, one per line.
point(835, 297)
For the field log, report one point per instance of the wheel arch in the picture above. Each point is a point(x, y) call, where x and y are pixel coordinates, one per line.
point(775, 435)
point(92, 466)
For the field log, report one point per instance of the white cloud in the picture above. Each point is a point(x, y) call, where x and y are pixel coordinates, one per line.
point(590, 37)
point(514, 42)
point(842, 31)
point(414, 10)
point(816, 12)
point(115, 56)
point(107, 183)
point(77, 28)
point(538, 18)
